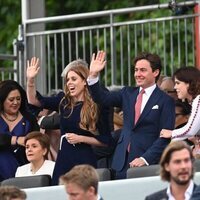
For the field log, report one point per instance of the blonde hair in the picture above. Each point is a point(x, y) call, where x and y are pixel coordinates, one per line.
point(85, 176)
point(89, 110)
point(11, 192)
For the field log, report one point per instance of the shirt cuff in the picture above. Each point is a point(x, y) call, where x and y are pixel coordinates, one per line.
point(145, 161)
point(40, 120)
point(92, 81)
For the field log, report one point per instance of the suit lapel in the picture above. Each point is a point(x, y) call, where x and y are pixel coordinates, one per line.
point(153, 99)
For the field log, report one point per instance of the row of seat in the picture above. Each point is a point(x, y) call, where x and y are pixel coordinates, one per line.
point(105, 174)
point(126, 189)
point(138, 172)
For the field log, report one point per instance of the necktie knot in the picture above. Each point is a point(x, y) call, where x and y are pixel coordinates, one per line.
point(142, 91)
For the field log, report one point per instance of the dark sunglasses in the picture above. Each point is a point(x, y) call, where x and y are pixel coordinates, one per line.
point(170, 91)
point(177, 114)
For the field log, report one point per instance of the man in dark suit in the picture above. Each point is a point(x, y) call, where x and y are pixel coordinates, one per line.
point(139, 143)
point(176, 168)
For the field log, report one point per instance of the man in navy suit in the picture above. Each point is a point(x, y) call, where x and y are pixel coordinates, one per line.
point(177, 168)
point(139, 143)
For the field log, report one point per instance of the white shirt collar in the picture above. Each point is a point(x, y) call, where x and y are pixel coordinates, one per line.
point(149, 90)
point(146, 95)
point(188, 192)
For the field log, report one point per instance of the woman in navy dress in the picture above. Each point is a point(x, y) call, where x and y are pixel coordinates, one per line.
point(78, 116)
point(15, 123)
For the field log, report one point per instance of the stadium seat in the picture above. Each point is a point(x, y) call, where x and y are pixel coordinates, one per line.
point(145, 171)
point(29, 181)
point(104, 174)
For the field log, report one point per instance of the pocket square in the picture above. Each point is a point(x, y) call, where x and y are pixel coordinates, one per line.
point(155, 107)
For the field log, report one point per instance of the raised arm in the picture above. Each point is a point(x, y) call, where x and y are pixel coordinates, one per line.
point(31, 72)
point(97, 64)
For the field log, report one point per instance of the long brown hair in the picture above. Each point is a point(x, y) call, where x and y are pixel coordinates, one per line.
point(89, 110)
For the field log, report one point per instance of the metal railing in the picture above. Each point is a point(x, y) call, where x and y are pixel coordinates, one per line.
point(12, 66)
point(8, 72)
point(172, 37)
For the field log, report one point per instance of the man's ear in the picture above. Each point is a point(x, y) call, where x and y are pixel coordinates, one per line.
point(166, 166)
point(91, 190)
point(156, 72)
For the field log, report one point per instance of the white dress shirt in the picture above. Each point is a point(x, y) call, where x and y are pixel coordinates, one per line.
point(146, 95)
point(188, 192)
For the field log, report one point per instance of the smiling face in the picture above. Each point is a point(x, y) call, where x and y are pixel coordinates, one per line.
point(144, 75)
point(182, 90)
point(76, 85)
point(12, 103)
point(34, 150)
point(180, 167)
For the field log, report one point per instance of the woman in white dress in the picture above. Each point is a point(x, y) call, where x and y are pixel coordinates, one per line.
point(37, 148)
point(187, 86)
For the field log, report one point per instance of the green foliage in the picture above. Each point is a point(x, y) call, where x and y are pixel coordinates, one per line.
point(10, 17)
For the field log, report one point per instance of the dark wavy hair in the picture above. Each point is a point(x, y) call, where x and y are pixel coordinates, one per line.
point(6, 87)
point(153, 59)
point(190, 75)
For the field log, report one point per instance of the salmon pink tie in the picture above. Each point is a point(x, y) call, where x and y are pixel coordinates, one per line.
point(138, 105)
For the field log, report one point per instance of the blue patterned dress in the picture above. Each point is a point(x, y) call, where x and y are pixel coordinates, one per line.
point(13, 156)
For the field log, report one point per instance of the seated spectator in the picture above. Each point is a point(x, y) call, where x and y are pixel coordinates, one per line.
point(15, 123)
point(177, 168)
point(11, 193)
point(167, 85)
point(81, 182)
point(49, 123)
point(50, 120)
point(159, 81)
point(183, 110)
point(196, 146)
point(37, 148)
point(118, 120)
point(118, 124)
point(105, 154)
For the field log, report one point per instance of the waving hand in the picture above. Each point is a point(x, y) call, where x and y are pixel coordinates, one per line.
point(32, 68)
point(97, 63)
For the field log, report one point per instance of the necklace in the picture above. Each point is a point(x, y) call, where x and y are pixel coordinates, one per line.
point(9, 119)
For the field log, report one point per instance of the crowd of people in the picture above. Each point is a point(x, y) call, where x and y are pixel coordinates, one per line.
point(153, 115)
